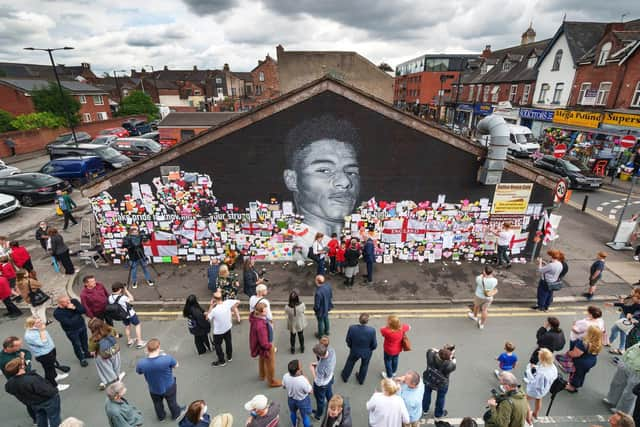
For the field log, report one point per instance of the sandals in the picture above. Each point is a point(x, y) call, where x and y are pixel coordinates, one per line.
point(615, 351)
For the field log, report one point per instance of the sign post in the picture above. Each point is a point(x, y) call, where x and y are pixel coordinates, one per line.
point(624, 228)
point(628, 141)
point(559, 151)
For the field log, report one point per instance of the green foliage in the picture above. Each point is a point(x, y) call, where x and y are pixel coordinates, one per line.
point(138, 102)
point(5, 121)
point(38, 120)
point(48, 99)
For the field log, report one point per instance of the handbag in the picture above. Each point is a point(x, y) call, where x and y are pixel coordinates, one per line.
point(405, 343)
point(37, 297)
point(625, 325)
point(488, 293)
point(554, 286)
point(108, 347)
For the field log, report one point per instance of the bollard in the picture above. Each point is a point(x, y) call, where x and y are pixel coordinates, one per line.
point(584, 202)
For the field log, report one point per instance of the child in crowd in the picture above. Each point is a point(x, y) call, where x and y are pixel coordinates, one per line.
point(595, 274)
point(340, 257)
point(333, 250)
point(507, 360)
point(9, 273)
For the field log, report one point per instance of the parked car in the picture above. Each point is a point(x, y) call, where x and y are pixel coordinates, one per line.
point(137, 148)
point(119, 132)
point(522, 142)
point(67, 138)
point(107, 140)
point(155, 135)
point(137, 127)
point(168, 142)
point(8, 205)
point(6, 170)
point(113, 159)
point(154, 124)
point(34, 187)
point(571, 168)
point(79, 170)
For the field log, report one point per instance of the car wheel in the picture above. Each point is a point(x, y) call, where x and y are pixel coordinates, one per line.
point(27, 200)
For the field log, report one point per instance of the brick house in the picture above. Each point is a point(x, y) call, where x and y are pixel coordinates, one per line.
point(16, 99)
point(180, 126)
point(265, 80)
point(81, 72)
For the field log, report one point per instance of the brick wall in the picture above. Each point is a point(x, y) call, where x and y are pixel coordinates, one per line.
point(175, 133)
point(91, 106)
point(268, 88)
point(14, 101)
point(631, 79)
point(35, 140)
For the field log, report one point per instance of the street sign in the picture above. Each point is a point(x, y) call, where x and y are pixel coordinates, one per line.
point(628, 141)
point(561, 190)
point(559, 151)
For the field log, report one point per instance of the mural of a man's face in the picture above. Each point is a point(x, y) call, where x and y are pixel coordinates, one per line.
point(325, 180)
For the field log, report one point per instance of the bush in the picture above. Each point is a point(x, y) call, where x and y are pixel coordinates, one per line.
point(136, 103)
point(5, 121)
point(48, 100)
point(37, 120)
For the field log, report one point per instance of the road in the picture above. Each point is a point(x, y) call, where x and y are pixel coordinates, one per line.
point(608, 203)
point(227, 388)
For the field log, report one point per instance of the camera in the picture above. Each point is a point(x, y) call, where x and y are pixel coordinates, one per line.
point(261, 275)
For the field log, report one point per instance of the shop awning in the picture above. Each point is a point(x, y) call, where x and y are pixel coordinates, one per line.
point(584, 129)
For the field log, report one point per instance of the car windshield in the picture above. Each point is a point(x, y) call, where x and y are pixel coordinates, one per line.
point(108, 153)
point(524, 138)
point(64, 138)
point(42, 180)
point(154, 145)
point(102, 140)
point(573, 167)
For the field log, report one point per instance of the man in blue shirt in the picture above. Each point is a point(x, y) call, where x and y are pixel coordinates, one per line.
point(368, 253)
point(322, 304)
point(322, 371)
point(411, 391)
point(157, 369)
point(361, 340)
point(69, 313)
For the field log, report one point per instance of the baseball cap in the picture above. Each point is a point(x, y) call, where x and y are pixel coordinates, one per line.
point(258, 403)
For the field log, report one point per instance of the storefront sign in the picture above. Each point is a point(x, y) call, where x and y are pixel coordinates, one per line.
point(483, 109)
point(511, 198)
point(510, 113)
point(621, 119)
point(465, 107)
point(540, 115)
point(577, 118)
point(589, 97)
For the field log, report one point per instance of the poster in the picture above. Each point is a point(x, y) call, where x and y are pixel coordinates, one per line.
point(511, 199)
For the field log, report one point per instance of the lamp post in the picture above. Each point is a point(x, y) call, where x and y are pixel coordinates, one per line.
point(55, 72)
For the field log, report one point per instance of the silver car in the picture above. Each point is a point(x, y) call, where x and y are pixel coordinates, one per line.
point(6, 170)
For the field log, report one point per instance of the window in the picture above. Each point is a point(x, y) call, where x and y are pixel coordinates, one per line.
point(603, 93)
point(233, 91)
point(635, 99)
point(557, 93)
point(220, 93)
point(82, 99)
point(196, 92)
point(485, 97)
point(259, 90)
point(102, 115)
point(525, 94)
point(531, 62)
point(512, 93)
point(86, 117)
point(506, 65)
point(495, 92)
point(557, 60)
point(479, 93)
point(604, 54)
point(584, 87)
point(544, 89)
point(437, 64)
point(125, 92)
point(97, 100)
point(219, 80)
point(471, 92)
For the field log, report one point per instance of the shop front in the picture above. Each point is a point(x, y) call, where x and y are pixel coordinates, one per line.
point(627, 123)
point(505, 110)
point(480, 111)
point(464, 115)
point(535, 119)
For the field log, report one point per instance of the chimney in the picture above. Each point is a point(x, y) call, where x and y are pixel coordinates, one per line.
point(195, 68)
point(279, 51)
point(225, 67)
point(133, 71)
point(166, 68)
point(529, 36)
point(486, 52)
point(86, 65)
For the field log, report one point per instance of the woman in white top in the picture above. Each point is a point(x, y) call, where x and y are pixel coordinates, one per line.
point(549, 273)
point(319, 252)
point(594, 318)
point(504, 241)
point(386, 408)
point(539, 378)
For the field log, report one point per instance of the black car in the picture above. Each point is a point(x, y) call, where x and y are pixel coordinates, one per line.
point(67, 138)
point(32, 188)
point(137, 148)
point(571, 168)
point(155, 135)
point(137, 127)
point(113, 159)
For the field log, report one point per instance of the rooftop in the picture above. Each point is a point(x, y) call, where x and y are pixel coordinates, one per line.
point(198, 119)
point(28, 85)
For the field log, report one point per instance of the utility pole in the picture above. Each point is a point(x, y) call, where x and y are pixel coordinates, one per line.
point(55, 73)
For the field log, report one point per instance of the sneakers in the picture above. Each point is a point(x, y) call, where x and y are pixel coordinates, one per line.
point(61, 377)
point(218, 363)
point(606, 401)
point(471, 316)
point(444, 414)
point(183, 410)
point(84, 363)
point(229, 359)
point(497, 373)
point(636, 257)
point(102, 386)
point(384, 374)
point(141, 344)
point(151, 283)
point(134, 285)
point(121, 375)
point(130, 343)
point(480, 325)
point(63, 387)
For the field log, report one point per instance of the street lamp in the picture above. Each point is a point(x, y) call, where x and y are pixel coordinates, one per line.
point(55, 72)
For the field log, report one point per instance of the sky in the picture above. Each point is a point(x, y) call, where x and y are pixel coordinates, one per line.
point(124, 34)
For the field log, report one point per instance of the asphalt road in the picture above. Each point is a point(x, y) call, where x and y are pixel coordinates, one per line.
point(227, 388)
point(608, 203)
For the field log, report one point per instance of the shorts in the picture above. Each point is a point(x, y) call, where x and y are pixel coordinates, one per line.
point(483, 303)
point(340, 264)
point(351, 271)
point(593, 282)
point(133, 320)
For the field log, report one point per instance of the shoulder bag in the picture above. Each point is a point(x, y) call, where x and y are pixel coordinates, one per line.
point(489, 292)
point(625, 325)
point(36, 297)
point(405, 343)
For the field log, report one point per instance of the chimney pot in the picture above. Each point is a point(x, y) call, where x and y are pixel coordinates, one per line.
point(166, 68)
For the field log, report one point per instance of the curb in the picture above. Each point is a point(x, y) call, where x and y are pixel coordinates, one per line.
point(11, 160)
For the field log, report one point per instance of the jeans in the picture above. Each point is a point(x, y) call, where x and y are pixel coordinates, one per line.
point(217, 343)
point(614, 334)
point(78, 340)
point(545, 296)
point(323, 325)
point(391, 364)
point(440, 396)
point(369, 271)
point(48, 362)
point(202, 343)
point(304, 406)
point(170, 396)
point(134, 270)
point(320, 267)
point(332, 264)
point(68, 216)
point(48, 412)
point(322, 393)
point(351, 361)
point(502, 255)
point(292, 340)
point(620, 391)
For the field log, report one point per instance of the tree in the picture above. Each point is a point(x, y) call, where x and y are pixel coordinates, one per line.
point(385, 67)
point(38, 120)
point(48, 99)
point(5, 121)
point(138, 102)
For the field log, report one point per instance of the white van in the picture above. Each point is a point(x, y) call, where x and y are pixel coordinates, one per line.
point(523, 144)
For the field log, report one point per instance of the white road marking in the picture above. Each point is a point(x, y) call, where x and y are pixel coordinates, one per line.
point(612, 217)
point(605, 203)
point(619, 206)
point(636, 202)
point(600, 208)
point(614, 211)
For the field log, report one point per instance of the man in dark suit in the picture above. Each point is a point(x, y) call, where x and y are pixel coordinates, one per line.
point(361, 340)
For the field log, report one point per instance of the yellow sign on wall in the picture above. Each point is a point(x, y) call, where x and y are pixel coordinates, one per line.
point(577, 118)
point(621, 119)
point(511, 198)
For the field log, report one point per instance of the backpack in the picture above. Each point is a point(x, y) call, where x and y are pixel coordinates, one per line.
point(108, 347)
point(311, 254)
point(631, 358)
point(434, 378)
point(115, 311)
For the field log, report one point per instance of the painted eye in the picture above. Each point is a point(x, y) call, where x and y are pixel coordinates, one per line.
point(324, 170)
